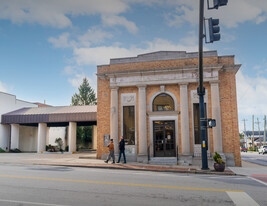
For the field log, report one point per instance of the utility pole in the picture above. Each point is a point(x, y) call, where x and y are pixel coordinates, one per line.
point(258, 122)
point(214, 30)
point(253, 132)
point(201, 90)
point(264, 135)
point(246, 138)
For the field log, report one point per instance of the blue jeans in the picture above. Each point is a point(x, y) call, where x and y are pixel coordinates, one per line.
point(122, 152)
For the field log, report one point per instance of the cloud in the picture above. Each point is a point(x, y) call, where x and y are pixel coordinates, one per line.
point(30, 11)
point(3, 87)
point(102, 54)
point(69, 70)
point(227, 37)
point(251, 94)
point(187, 11)
point(184, 12)
point(77, 80)
point(110, 21)
point(57, 13)
point(84, 53)
point(62, 41)
point(251, 11)
point(98, 55)
point(94, 35)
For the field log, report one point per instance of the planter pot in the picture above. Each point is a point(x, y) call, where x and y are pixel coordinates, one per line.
point(219, 167)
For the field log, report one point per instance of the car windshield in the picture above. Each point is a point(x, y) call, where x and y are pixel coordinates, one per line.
point(265, 147)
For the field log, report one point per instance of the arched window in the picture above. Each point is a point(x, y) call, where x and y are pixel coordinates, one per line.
point(163, 102)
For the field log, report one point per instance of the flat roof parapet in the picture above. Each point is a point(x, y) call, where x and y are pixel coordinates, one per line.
point(162, 55)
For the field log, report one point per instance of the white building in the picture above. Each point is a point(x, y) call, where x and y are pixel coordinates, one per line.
point(23, 137)
point(8, 103)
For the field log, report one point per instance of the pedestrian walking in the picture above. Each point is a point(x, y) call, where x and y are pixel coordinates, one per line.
point(111, 152)
point(122, 150)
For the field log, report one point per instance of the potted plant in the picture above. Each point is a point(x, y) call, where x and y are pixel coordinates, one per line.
point(219, 164)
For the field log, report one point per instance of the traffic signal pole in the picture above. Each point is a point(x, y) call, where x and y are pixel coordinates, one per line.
point(201, 90)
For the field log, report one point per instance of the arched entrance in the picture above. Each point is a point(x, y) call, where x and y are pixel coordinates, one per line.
point(163, 120)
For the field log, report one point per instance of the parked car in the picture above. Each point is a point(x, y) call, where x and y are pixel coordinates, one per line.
point(243, 149)
point(263, 149)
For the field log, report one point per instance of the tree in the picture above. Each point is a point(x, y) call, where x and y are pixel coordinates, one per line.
point(86, 95)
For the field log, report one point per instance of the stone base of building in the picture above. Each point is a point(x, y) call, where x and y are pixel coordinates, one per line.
point(142, 159)
point(230, 159)
point(185, 160)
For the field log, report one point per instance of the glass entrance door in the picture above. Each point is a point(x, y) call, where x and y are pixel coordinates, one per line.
point(164, 140)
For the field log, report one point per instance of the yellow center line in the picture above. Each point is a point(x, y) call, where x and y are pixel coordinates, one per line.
point(121, 184)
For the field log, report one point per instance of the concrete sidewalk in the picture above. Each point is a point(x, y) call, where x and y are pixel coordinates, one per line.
point(88, 160)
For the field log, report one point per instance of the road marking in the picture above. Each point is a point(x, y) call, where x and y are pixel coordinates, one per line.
point(242, 198)
point(30, 203)
point(227, 177)
point(121, 184)
point(253, 178)
point(258, 175)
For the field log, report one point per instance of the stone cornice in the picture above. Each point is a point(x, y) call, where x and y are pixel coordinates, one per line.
point(166, 76)
point(232, 68)
point(135, 72)
point(162, 79)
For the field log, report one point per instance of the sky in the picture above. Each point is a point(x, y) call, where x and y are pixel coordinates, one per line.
point(48, 46)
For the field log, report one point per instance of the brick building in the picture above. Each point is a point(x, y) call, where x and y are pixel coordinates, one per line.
point(152, 101)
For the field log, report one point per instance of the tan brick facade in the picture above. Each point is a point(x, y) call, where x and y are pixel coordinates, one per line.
point(116, 74)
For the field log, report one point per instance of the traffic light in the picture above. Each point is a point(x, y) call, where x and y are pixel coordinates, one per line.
point(214, 30)
point(217, 3)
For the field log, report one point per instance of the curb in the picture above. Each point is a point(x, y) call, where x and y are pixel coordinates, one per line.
point(136, 168)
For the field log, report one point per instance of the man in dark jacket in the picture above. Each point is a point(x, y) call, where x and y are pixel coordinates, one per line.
point(122, 150)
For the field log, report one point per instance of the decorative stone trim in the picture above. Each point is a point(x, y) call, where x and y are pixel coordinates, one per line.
point(128, 99)
point(162, 88)
point(160, 92)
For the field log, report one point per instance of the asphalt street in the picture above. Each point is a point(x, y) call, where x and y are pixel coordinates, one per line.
point(255, 158)
point(27, 185)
